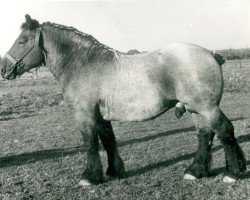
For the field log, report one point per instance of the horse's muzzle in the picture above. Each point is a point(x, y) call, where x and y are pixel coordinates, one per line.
point(7, 71)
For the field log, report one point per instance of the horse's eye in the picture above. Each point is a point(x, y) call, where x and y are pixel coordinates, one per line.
point(23, 40)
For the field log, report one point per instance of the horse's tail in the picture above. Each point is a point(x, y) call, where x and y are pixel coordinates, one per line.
point(219, 58)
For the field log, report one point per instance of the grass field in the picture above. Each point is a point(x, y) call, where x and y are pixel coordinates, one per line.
point(42, 156)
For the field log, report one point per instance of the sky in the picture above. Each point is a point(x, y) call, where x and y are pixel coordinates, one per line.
point(142, 25)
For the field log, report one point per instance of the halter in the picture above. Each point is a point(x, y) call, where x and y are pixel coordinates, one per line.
point(16, 61)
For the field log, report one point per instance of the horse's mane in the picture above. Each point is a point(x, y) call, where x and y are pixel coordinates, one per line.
point(97, 51)
point(71, 29)
point(97, 54)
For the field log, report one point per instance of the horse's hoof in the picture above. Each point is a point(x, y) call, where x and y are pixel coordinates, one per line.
point(189, 177)
point(228, 179)
point(84, 183)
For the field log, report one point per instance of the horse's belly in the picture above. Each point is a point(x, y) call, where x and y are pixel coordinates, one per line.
point(131, 112)
point(132, 95)
point(137, 107)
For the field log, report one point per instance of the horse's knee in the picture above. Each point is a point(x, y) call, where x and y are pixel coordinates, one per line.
point(106, 135)
point(90, 137)
point(87, 125)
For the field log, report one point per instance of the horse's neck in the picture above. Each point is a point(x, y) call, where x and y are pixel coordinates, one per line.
point(63, 50)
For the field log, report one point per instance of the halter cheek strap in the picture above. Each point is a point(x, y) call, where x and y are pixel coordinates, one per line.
point(15, 61)
point(37, 38)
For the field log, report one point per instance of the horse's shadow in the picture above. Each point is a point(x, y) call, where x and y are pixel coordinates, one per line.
point(6, 116)
point(153, 137)
point(31, 157)
point(220, 170)
point(35, 156)
point(241, 139)
point(16, 160)
point(164, 134)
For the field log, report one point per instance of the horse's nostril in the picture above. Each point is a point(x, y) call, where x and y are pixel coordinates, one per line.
point(3, 72)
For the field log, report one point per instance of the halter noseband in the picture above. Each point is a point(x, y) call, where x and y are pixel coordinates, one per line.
point(16, 61)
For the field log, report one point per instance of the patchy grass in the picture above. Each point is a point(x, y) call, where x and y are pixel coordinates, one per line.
point(236, 76)
point(42, 155)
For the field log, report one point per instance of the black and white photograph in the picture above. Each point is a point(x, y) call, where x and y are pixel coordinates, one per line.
point(125, 100)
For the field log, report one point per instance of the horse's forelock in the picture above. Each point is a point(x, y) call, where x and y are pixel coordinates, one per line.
point(31, 25)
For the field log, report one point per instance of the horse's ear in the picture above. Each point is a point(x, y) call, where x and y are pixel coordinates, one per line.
point(28, 19)
point(29, 23)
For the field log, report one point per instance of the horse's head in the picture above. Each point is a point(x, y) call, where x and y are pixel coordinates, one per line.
point(26, 52)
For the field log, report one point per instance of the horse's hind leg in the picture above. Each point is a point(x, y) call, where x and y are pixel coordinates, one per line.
point(202, 161)
point(221, 125)
point(115, 163)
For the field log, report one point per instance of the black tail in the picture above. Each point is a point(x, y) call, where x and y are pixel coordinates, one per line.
point(219, 58)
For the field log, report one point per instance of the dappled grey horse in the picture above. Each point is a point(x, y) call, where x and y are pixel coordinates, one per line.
point(105, 85)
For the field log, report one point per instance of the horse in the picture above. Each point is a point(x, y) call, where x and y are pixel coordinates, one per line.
point(106, 85)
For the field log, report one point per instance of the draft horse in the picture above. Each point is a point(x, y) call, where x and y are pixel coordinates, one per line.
point(105, 85)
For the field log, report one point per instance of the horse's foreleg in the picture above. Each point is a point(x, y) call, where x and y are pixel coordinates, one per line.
point(88, 127)
point(221, 125)
point(115, 163)
point(202, 161)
